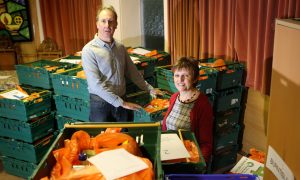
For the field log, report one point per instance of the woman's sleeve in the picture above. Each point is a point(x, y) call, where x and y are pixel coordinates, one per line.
point(205, 125)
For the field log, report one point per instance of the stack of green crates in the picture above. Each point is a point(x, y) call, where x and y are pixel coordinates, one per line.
point(27, 130)
point(207, 82)
point(35, 73)
point(227, 105)
point(71, 97)
point(161, 58)
point(150, 147)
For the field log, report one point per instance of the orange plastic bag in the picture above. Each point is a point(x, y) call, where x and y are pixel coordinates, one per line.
point(67, 156)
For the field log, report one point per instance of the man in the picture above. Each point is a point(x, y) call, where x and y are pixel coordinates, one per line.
point(106, 63)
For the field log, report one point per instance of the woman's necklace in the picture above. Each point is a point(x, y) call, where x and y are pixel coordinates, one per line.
point(189, 99)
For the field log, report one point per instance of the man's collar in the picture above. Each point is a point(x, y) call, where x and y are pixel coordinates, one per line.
point(102, 43)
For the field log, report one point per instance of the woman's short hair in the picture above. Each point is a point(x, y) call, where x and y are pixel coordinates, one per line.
point(189, 64)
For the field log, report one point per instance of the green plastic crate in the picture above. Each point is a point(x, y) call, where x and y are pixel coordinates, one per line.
point(24, 111)
point(231, 76)
point(185, 167)
point(146, 66)
point(67, 84)
point(225, 159)
point(150, 148)
point(27, 131)
point(26, 151)
point(72, 107)
point(165, 79)
point(143, 98)
point(166, 85)
point(34, 73)
point(228, 99)
point(18, 167)
point(226, 119)
point(62, 120)
point(162, 58)
point(226, 137)
point(143, 116)
point(208, 85)
point(132, 88)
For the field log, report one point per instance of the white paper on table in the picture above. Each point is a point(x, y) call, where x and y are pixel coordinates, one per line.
point(4, 77)
point(135, 60)
point(140, 51)
point(172, 147)
point(117, 163)
point(14, 94)
point(72, 61)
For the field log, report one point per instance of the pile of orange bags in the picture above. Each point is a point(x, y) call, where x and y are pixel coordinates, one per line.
point(156, 105)
point(257, 155)
point(111, 139)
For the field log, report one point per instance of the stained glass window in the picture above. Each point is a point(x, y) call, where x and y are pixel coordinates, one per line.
point(15, 20)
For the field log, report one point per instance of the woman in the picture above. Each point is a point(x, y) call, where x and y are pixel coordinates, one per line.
point(189, 108)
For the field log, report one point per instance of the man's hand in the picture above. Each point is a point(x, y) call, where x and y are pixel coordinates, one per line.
point(156, 92)
point(131, 106)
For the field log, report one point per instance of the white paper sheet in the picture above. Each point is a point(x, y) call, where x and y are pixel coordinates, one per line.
point(172, 147)
point(72, 61)
point(14, 94)
point(140, 51)
point(135, 60)
point(278, 166)
point(117, 163)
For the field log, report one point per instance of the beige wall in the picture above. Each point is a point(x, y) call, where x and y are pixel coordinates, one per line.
point(129, 21)
point(255, 121)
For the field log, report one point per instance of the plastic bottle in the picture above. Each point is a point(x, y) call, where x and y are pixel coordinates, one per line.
point(82, 157)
